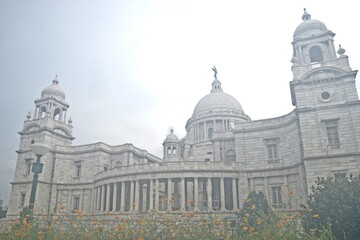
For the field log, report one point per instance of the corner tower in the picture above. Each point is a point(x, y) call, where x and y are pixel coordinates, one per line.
point(327, 105)
point(48, 125)
point(320, 77)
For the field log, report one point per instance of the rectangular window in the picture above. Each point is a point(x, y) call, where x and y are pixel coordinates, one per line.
point(333, 136)
point(27, 166)
point(22, 199)
point(78, 171)
point(76, 203)
point(272, 149)
point(332, 131)
point(276, 197)
point(340, 175)
point(77, 168)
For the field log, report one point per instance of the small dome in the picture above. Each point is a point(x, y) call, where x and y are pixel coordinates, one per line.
point(310, 28)
point(53, 91)
point(171, 137)
point(218, 101)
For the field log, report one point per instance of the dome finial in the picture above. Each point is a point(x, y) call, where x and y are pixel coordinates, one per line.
point(306, 16)
point(341, 51)
point(171, 130)
point(56, 81)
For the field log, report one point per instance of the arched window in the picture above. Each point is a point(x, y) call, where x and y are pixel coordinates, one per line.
point(169, 150)
point(316, 54)
point(42, 112)
point(174, 150)
point(230, 156)
point(57, 114)
point(210, 132)
point(118, 164)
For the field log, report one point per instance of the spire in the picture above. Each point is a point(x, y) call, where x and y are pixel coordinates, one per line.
point(306, 16)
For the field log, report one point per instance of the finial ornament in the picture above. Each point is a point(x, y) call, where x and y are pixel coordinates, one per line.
point(215, 72)
point(341, 50)
point(306, 15)
point(171, 130)
point(56, 81)
point(28, 116)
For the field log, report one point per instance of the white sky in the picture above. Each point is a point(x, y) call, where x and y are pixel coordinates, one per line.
point(133, 69)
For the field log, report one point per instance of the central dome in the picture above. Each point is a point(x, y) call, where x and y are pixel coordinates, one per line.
point(218, 101)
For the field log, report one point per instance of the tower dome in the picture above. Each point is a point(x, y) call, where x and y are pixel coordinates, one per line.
point(171, 137)
point(53, 91)
point(309, 27)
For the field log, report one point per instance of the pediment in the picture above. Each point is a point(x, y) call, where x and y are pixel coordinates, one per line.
point(321, 73)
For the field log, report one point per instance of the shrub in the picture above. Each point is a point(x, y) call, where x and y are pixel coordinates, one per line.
point(335, 201)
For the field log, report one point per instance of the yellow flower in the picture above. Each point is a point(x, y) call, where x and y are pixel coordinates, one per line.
point(315, 216)
point(253, 206)
point(245, 228)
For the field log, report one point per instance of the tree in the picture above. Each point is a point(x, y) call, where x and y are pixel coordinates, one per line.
point(3, 213)
point(335, 201)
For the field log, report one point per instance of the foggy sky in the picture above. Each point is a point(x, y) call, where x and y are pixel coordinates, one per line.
point(133, 69)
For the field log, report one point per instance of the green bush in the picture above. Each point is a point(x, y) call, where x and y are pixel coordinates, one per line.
point(335, 201)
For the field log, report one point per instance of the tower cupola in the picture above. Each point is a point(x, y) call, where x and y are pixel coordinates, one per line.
point(171, 146)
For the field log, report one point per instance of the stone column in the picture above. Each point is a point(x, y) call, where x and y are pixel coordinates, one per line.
point(131, 195)
point(286, 192)
point(102, 198)
point(98, 199)
point(205, 132)
point(115, 196)
point(65, 116)
point(157, 194)
point(137, 199)
point(266, 189)
point(151, 195)
point(196, 194)
point(235, 201)
point(122, 206)
point(251, 184)
point(69, 201)
point(169, 195)
point(222, 194)
point(81, 199)
point(35, 113)
point(183, 203)
point(107, 197)
point(209, 194)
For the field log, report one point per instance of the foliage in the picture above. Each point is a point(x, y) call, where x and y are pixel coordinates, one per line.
point(3, 213)
point(258, 221)
point(335, 201)
point(172, 225)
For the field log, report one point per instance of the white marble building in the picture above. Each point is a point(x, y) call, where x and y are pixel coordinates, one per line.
point(223, 156)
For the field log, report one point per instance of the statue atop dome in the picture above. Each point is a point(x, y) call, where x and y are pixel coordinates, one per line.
point(215, 72)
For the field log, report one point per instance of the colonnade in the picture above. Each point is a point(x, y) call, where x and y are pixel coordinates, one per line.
point(201, 128)
point(195, 194)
